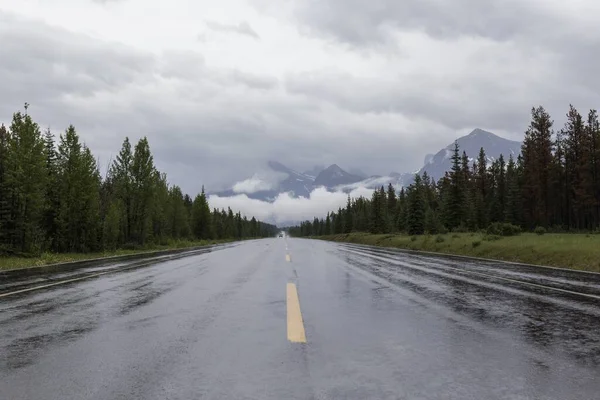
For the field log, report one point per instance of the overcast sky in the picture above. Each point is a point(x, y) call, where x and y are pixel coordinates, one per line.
point(221, 87)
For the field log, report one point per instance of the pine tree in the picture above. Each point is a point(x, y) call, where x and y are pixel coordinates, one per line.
point(513, 193)
point(91, 202)
point(401, 213)
point(26, 182)
point(432, 224)
point(481, 191)
point(579, 170)
point(537, 158)
point(78, 199)
point(52, 191)
point(339, 223)
point(593, 134)
point(54, 198)
point(230, 224)
point(416, 208)
point(348, 217)
point(111, 225)
point(455, 200)
point(219, 225)
point(142, 174)
point(202, 221)
point(391, 207)
point(121, 176)
point(328, 225)
point(501, 187)
point(180, 224)
point(378, 206)
point(5, 210)
point(238, 226)
point(161, 209)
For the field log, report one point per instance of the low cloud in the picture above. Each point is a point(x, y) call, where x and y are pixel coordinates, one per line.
point(252, 185)
point(264, 180)
point(243, 28)
point(373, 182)
point(286, 209)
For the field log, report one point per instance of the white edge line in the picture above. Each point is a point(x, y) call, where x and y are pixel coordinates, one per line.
point(513, 280)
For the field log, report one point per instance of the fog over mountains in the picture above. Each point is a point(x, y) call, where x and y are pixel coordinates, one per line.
point(280, 179)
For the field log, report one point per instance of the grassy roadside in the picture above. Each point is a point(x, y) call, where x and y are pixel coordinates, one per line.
point(7, 263)
point(575, 251)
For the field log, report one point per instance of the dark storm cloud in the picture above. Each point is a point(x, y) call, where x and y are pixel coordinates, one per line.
point(243, 28)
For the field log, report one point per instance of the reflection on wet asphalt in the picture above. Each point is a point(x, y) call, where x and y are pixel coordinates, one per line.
point(566, 322)
point(380, 324)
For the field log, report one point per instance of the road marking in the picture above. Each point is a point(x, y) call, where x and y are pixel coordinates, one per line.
point(462, 272)
point(295, 326)
point(54, 284)
point(81, 278)
point(288, 258)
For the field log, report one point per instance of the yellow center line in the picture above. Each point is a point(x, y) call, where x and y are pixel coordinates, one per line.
point(295, 326)
point(288, 258)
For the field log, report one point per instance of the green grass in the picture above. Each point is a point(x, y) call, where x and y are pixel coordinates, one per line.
point(7, 263)
point(575, 251)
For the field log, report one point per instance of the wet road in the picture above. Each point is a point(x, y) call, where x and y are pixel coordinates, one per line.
point(314, 321)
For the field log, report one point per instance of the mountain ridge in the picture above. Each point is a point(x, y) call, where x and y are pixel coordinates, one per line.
point(334, 178)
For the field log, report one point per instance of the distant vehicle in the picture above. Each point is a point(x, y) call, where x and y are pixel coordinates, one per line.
point(280, 235)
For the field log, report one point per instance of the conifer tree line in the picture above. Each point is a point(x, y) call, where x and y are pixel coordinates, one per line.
point(53, 198)
point(554, 184)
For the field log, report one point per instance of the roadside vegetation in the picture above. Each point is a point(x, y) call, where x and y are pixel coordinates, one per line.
point(49, 258)
point(55, 206)
point(542, 207)
point(576, 251)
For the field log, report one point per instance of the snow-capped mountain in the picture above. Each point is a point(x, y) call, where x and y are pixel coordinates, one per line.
point(334, 178)
point(299, 184)
point(295, 183)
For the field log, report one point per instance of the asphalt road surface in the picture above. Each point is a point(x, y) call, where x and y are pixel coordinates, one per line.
point(302, 319)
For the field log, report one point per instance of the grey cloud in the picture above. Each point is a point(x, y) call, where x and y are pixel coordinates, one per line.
point(40, 63)
point(568, 45)
point(109, 91)
point(254, 81)
point(243, 28)
point(363, 23)
point(190, 65)
point(473, 101)
point(219, 126)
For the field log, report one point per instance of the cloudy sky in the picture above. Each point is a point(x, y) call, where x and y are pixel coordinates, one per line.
point(221, 87)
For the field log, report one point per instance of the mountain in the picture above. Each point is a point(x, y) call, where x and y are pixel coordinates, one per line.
point(437, 164)
point(428, 158)
point(358, 172)
point(293, 182)
point(493, 145)
point(314, 171)
point(297, 183)
point(333, 176)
